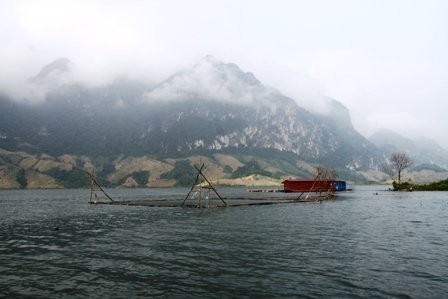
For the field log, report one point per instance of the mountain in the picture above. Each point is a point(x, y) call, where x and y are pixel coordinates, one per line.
point(224, 96)
point(212, 108)
point(52, 70)
point(422, 151)
point(339, 114)
point(212, 80)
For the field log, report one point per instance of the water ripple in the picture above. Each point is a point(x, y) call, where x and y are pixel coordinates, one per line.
point(360, 246)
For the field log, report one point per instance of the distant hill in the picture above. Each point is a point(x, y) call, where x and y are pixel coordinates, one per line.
point(24, 170)
point(426, 153)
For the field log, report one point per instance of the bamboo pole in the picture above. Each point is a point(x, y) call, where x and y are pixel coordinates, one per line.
point(210, 184)
point(95, 182)
point(194, 184)
point(319, 171)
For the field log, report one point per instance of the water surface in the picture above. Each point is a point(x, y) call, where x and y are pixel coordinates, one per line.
point(367, 243)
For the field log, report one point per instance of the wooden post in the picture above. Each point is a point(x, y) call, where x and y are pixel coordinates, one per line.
point(210, 184)
point(319, 171)
point(192, 186)
point(94, 183)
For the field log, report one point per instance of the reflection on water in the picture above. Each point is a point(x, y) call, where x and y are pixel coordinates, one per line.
point(54, 244)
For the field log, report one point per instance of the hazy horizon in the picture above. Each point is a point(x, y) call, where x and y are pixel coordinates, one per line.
point(386, 61)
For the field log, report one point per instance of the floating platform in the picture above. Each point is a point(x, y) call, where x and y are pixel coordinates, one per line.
point(213, 202)
point(265, 190)
point(202, 197)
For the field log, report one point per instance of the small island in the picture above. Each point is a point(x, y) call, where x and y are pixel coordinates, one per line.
point(407, 186)
point(396, 163)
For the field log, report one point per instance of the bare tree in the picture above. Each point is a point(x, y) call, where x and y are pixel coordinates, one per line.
point(399, 162)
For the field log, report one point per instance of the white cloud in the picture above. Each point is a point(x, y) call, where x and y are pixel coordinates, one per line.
point(212, 80)
point(364, 54)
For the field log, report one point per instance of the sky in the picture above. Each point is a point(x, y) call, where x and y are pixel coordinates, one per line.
point(386, 61)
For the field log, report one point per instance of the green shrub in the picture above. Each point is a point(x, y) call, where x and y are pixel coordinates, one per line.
point(436, 186)
point(227, 169)
point(21, 178)
point(141, 177)
point(75, 178)
point(401, 186)
point(183, 172)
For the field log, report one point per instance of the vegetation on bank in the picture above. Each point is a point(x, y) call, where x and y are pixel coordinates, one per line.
point(24, 170)
point(407, 186)
point(183, 172)
point(74, 178)
point(21, 178)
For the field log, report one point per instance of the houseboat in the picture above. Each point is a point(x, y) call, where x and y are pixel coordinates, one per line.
point(311, 185)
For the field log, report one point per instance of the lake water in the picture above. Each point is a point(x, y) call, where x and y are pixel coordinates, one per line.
point(366, 243)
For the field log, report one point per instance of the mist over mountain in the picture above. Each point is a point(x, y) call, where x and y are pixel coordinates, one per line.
point(213, 106)
point(212, 80)
point(53, 70)
point(213, 112)
point(421, 151)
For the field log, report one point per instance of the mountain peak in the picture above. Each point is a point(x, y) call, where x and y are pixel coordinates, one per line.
point(55, 68)
point(210, 79)
point(340, 114)
point(225, 71)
